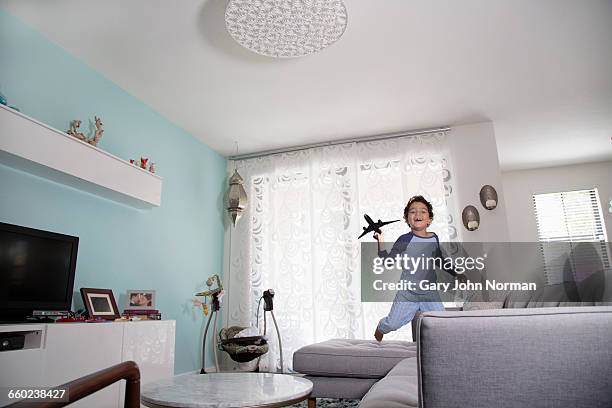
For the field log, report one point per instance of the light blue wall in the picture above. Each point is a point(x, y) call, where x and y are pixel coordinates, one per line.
point(172, 248)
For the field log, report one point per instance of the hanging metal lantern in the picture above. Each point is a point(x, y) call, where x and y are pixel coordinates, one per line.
point(237, 198)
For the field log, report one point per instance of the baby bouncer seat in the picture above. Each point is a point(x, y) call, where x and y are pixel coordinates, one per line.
point(241, 347)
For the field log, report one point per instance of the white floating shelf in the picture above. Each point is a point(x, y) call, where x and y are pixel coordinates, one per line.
point(32, 146)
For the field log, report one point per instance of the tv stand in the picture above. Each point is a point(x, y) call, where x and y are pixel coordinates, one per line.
point(26, 320)
point(33, 334)
point(56, 353)
point(39, 319)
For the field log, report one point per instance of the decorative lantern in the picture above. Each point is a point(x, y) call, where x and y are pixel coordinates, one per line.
point(237, 198)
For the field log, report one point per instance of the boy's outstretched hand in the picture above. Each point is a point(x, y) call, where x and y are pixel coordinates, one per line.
point(378, 335)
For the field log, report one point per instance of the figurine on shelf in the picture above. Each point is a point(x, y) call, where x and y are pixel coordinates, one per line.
point(143, 163)
point(74, 131)
point(152, 167)
point(98, 133)
point(132, 161)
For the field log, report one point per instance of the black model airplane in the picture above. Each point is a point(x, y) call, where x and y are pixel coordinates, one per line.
point(374, 226)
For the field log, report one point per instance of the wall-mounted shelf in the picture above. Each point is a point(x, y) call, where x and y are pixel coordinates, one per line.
point(36, 148)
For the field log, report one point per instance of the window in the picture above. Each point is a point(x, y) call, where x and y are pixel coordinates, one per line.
point(300, 238)
point(564, 220)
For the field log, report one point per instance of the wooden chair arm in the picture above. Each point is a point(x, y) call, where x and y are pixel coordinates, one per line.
point(84, 386)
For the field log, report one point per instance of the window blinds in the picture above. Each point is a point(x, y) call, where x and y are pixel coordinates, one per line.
point(564, 220)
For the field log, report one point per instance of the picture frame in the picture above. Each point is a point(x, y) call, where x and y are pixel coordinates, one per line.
point(100, 303)
point(140, 299)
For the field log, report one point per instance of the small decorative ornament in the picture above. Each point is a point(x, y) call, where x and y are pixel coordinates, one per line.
point(237, 198)
point(74, 130)
point(152, 167)
point(95, 139)
point(471, 218)
point(200, 305)
point(488, 197)
point(143, 163)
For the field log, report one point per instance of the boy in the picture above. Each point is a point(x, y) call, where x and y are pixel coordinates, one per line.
point(419, 242)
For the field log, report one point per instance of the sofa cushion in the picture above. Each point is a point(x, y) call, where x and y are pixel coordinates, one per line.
point(406, 367)
point(477, 301)
point(399, 388)
point(351, 358)
point(340, 387)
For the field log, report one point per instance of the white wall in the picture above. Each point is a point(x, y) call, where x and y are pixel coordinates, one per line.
point(520, 185)
point(475, 163)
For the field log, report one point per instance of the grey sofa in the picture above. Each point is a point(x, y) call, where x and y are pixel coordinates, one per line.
point(535, 357)
point(348, 368)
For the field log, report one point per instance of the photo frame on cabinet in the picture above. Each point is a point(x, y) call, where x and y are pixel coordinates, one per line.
point(140, 299)
point(100, 303)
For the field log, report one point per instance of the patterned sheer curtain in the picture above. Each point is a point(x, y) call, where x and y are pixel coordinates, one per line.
point(299, 233)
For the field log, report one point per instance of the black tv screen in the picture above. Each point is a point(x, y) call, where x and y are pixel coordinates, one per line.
point(36, 270)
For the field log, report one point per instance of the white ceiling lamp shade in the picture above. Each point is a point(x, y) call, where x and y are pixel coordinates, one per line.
point(285, 28)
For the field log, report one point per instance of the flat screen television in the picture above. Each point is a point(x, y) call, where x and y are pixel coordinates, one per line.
point(36, 271)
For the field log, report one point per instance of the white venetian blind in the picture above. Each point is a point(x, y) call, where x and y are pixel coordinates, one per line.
point(569, 216)
point(565, 219)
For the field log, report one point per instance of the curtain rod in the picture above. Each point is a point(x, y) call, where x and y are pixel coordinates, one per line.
point(337, 142)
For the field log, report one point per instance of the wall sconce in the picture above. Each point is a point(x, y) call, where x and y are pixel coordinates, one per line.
point(471, 218)
point(237, 198)
point(488, 197)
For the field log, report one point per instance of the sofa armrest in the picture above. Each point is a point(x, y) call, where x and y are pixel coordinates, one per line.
point(418, 314)
point(546, 357)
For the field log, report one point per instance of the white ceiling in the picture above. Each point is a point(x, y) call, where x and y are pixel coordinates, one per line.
point(540, 70)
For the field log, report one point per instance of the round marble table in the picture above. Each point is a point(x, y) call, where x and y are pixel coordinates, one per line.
point(225, 390)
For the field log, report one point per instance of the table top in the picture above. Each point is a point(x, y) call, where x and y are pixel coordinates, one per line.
point(225, 390)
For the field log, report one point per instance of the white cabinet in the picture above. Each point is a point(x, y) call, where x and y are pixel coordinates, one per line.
point(32, 146)
point(31, 356)
point(151, 345)
point(75, 350)
point(71, 350)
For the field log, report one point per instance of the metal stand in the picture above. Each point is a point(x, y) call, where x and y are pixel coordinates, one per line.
point(214, 311)
point(268, 296)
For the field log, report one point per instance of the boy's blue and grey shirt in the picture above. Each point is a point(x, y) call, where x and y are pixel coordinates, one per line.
point(407, 303)
point(421, 247)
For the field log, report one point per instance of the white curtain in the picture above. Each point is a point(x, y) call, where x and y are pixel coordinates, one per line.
point(299, 233)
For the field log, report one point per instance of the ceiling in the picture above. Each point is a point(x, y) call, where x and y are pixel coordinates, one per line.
point(540, 70)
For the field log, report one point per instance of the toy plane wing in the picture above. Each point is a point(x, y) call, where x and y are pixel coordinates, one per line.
point(374, 226)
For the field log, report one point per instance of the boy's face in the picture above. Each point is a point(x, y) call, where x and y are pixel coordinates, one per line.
point(418, 216)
